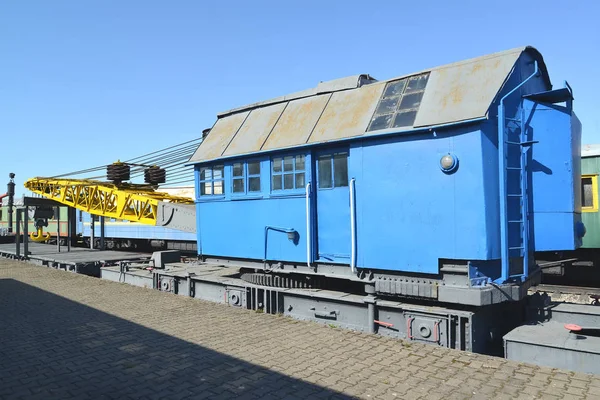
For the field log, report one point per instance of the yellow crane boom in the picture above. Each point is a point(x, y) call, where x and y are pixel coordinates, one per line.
point(136, 203)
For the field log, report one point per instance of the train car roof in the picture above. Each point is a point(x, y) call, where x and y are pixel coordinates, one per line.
point(345, 108)
point(590, 150)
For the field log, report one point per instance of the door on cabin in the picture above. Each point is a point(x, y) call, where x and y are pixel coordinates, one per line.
point(333, 207)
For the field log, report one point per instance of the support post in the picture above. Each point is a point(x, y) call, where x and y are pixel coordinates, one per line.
point(371, 301)
point(26, 232)
point(91, 231)
point(102, 232)
point(69, 230)
point(57, 228)
point(18, 237)
point(11, 199)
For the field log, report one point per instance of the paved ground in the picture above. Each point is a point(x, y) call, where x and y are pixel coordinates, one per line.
point(64, 335)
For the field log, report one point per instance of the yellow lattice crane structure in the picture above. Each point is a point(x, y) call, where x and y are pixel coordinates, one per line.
point(131, 202)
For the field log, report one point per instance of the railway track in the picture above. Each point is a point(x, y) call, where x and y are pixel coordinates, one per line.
point(570, 294)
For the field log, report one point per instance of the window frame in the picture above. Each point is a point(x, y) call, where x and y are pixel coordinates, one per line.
point(245, 178)
point(296, 189)
point(398, 110)
point(212, 181)
point(331, 155)
point(594, 206)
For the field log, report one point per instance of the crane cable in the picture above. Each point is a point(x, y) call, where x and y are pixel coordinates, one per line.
point(171, 159)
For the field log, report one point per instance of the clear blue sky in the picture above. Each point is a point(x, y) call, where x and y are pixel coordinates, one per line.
point(84, 83)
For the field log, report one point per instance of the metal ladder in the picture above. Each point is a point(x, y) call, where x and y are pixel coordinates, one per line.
point(507, 142)
point(517, 149)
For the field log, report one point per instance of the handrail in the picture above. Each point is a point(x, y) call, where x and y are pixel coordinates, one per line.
point(276, 229)
point(352, 226)
point(504, 253)
point(308, 227)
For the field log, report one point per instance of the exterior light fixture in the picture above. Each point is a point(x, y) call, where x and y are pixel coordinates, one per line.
point(448, 163)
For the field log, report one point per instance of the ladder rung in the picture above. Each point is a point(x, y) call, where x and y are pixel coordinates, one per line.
point(512, 119)
point(514, 195)
point(515, 248)
point(529, 142)
point(520, 221)
point(514, 168)
point(513, 143)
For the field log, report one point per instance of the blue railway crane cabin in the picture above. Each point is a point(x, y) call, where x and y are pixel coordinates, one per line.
point(439, 184)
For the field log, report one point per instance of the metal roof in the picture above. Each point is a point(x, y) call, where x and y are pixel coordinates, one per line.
point(590, 150)
point(343, 108)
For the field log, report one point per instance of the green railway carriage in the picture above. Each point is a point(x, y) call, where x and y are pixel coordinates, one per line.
point(590, 169)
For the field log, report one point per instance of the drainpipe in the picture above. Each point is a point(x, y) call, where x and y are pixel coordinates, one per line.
point(504, 254)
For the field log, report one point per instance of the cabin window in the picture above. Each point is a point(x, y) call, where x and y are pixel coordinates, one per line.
point(288, 173)
point(399, 103)
point(211, 181)
point(589, 193)
point(333, 170)
point(246, 177)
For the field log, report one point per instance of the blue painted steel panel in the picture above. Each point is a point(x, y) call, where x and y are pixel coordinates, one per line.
point(556, 176)
point(410, 213)
point(235, 225)
point(237, 228)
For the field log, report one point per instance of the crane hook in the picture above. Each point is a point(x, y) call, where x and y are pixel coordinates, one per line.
point(39, 236)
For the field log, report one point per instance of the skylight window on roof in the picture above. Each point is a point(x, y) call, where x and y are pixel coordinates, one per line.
point(399, 103)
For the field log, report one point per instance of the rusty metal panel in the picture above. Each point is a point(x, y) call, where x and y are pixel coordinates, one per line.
point(347, 114)
point(464, 90)
point(255, 130)
point(219, 137)
point(297, 122)
point(334, 85)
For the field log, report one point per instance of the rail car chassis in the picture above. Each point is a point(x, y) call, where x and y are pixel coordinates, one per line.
point(471, 328)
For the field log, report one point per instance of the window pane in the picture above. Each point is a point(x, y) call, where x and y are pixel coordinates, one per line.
point(206, 188)
point(277, 165)
point(325, 172)
point(254, 184)
point(405, 119)
point(340, 169)
point(238, 169)
point(387, 106)
point(381, 122)
point(288, 181)
point(394, 88)
point(205, 173)
point(300, 180)
point(587, 194)
point(417, 83)
point(238, 186)
point(288, 163)
point(218, 172)
point(276, 182)
point(411, 100)
point(254, 168)
point(299, 163)
point(218, 185)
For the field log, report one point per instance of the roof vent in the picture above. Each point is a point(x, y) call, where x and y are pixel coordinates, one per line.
point(349, 82)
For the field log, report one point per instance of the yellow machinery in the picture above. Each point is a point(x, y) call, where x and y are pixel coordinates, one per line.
point(131, 202)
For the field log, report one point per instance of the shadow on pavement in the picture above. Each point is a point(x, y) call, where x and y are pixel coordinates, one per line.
point(54, 348)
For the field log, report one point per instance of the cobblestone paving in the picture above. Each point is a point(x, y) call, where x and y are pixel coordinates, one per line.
point(64, 335)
